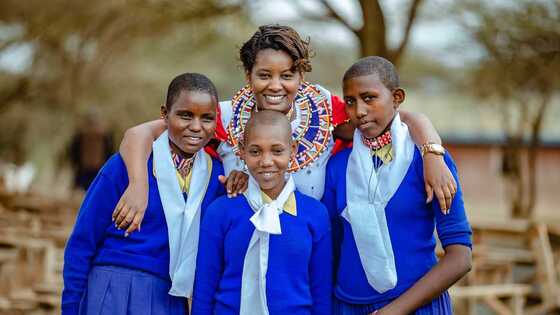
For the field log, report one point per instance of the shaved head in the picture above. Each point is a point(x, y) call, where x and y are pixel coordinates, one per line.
point(269, 119)
point(374, 65)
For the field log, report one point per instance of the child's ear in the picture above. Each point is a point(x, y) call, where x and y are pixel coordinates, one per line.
point(293, 147)
point(164, 113)
point(398, 97)
point(241, 148)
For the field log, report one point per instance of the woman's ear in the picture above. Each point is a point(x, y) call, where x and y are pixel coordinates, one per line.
point(398, 97)
point(248, 77)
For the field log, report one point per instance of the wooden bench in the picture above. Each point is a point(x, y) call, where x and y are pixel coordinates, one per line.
point(491, 295)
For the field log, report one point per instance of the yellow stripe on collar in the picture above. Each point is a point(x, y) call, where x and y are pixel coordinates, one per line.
point(289, 205)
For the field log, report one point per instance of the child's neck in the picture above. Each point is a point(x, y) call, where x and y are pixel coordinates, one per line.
point(273, 193)
point(175, 149)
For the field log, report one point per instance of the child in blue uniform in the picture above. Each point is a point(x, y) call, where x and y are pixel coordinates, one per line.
point(376, 198)
point(268, 251)
point(109, 272)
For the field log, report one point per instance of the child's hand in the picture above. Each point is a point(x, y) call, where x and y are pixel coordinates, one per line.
point(236, 183)
point(130, 209)
point(439, 180)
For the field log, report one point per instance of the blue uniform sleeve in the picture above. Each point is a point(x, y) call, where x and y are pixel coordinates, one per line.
point(329, 200)
point(210, 260)
point(93, 219)
point(454, 227)
point(321, 265)
point(329, 195)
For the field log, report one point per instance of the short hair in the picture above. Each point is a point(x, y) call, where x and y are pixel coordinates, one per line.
point(189, 82)
point(383, 68)
point(277, 37)
point(269, 118)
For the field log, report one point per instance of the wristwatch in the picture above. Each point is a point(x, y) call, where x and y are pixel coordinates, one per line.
point(434, 148)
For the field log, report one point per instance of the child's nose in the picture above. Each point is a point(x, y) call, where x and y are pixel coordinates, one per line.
point(361, 109)
point(266, 159)
point(195, 125)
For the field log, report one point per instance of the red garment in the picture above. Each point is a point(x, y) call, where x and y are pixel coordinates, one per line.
point(220, 134)
point(339, 117)
point(338, 113)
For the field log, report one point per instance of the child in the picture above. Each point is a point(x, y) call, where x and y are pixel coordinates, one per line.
point(375, 191)
point(268, 251)
point(108, 272)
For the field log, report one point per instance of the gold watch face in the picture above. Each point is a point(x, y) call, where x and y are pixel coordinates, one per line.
point(434, 148)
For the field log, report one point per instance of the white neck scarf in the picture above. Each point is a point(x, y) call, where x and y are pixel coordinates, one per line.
point(367, 192)
point(267, 221)
point(183, 218)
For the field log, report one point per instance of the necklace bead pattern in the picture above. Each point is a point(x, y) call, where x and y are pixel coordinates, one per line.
point(183, 165)
point(312, 134)
point(378, 142)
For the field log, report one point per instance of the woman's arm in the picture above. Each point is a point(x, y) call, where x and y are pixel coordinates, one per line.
point(437, 177)
point(452, 266)
point(135, 150)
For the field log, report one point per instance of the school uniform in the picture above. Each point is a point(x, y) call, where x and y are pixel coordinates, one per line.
point(243, 269)
point(380, 259)
point(107, 273)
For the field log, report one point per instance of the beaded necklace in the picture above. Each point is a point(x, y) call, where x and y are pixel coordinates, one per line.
point(312, 133)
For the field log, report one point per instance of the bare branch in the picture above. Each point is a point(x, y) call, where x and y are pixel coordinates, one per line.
point(331, 12)
point(412, 14)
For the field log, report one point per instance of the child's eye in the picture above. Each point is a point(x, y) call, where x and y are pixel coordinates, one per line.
point(349, 102)
point(287, 76)
point(253, 152)
point(208, 120)
point(263, 76)
point(369, 98)
point(278, 151)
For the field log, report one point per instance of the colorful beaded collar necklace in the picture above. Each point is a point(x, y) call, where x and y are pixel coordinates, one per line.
point(379, 141)
point(312, 134)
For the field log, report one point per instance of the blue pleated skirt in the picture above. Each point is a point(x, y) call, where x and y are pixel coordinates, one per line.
point(122, 291)
point(439, 306)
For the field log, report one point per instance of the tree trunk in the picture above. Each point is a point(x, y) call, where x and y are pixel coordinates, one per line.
point(532, 156)
point(372, 34)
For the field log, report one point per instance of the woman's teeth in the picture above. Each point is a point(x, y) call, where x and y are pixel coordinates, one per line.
point(274, 98)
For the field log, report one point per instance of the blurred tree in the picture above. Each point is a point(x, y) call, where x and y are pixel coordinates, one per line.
point(76, 52)
point(520, 73)
point(373, 33)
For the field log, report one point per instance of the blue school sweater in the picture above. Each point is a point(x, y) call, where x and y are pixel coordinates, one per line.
point(298, 280)
point(411, 224)
point(96, 241)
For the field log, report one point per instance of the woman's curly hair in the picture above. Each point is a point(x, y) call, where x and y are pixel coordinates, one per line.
point(277, 37)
